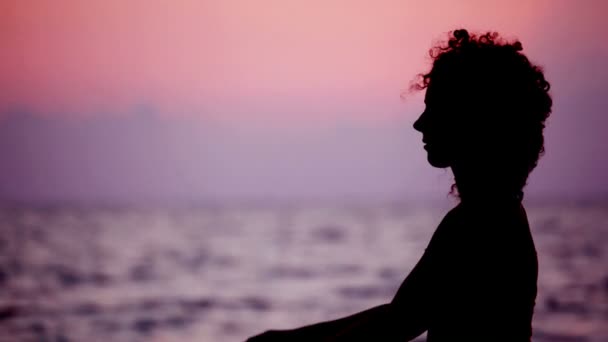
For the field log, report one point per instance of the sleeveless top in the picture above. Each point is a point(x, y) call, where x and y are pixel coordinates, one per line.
point(476, 280)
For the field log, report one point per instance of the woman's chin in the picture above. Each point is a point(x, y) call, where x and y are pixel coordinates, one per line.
point(437, 161)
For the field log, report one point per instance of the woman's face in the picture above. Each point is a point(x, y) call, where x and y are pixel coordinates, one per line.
point(437, 127)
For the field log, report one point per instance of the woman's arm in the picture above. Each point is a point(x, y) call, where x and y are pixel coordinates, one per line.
point(405, 318)
point(324, 330)
point(408, 315)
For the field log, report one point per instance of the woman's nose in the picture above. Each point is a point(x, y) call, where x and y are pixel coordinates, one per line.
point(418, 125)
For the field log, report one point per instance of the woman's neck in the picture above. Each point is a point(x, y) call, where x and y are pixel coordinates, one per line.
point(478, 185)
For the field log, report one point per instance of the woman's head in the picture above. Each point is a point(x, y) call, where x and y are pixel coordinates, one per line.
point(486, 105)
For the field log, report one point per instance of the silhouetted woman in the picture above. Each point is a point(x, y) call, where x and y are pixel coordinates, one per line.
point(486, 105)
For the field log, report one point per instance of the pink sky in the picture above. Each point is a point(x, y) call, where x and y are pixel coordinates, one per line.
point(293, 97)
point(84, 57)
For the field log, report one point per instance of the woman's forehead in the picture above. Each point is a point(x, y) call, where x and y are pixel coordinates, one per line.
point(438, 90)
point(433, 91)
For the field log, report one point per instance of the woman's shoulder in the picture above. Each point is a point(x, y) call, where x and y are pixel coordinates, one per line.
point(470, 223)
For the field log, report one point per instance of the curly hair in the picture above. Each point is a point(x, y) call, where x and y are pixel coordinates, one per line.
point(502, 91)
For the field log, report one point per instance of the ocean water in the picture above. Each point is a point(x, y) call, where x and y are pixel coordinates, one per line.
point(223, 273)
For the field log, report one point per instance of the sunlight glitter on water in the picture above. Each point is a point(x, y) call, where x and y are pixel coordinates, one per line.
point(222, 274)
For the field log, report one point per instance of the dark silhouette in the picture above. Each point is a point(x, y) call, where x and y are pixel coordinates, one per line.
point(486, 105)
